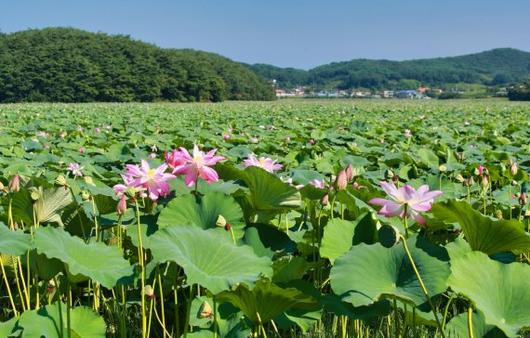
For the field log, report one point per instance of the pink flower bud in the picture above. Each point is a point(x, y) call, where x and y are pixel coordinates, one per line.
point(349, 172)
point(14, 184)
point(341, 182)
point(121, 208)
point(324, 200)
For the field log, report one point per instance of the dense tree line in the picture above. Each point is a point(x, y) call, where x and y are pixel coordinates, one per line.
point(520, 92)
point(494, 67)
point(70, 65)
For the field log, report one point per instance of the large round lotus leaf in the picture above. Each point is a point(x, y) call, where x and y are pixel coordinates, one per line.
point(458, 327)
point(209, 258)
point(483, 233)
point(267, 300)
point(368, 273)
point(50, 203)
point(14, 243)
point(187, 210)
point(102, 263)
point(339, 235)
point(499, 290)
point(46, 322)
point(268, 192)
point(10, 328)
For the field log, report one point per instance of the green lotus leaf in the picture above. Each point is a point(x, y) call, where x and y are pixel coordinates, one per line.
point(10, 328)
point(50, 203)
point(458, 327)
point(483, 233)
point(428, 158)
point(368, 273)
point(266, 300)
point(499, 290)
point(187, 210)
point(102, 263)
point(209, 258)
point(340, 235)
point(268, 192)
point(50, 321)
point(13, 242)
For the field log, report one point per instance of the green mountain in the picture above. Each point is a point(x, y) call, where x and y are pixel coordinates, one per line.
point(495, 67)
point(71, 65)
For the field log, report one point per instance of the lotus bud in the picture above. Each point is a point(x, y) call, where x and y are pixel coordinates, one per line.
point(312, 142)
point(89, 180)
point(341, 182)
point(61, 180)
point(149, 292)
point(460, 178)
point(35, 195)
point(498, 214)
point(485, 181)
point(82, 150)
point(205, 310)
point(14, 184)
point(226, 137)
point(121, 207)
point(85, 195)
point(442, 168)
point(514, 183)
point(514, 168)
point(221, 221)
point(470, 181)
point(349, 172)
point(324, 200)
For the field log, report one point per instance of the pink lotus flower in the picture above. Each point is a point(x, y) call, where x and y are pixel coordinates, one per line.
point(320, 184)
point(405, 201)
point(75, 169)
point(143, 177)
point(266, 163)
point(196, 166)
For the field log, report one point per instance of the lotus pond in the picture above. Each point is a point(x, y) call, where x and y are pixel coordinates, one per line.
point(284, 219)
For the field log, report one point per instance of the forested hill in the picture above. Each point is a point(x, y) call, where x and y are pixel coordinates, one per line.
point(70, 65)
point(494, 67)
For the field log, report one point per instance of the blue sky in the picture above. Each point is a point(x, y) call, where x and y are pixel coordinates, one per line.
point(293, 33)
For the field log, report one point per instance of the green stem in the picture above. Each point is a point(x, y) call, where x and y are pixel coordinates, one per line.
point(8, 288)
point(470, 322)
point(142, 270)
point(422, 285)
point(68, 309)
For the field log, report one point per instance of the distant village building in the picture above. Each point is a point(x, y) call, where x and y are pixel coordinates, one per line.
point(408, 94)
point(361, 94)
point(387, 93)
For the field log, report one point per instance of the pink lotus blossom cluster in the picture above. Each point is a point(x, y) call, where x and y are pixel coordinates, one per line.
point(194, 166)
point(143, 179)
point(153, 182)
point(405, 201)
point(266, 163)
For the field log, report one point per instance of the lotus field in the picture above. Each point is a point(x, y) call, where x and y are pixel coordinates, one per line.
point(286, 219)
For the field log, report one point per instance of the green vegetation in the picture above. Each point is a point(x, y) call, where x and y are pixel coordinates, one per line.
point(93, 244)
point(520, 92)
point(70, 65)
point(494, 67)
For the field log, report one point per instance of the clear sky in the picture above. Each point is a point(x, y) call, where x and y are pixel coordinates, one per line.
point(297, 33)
